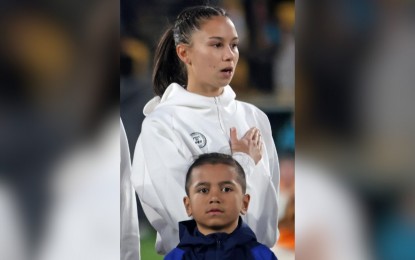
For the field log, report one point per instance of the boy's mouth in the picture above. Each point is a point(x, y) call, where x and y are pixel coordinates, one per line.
point(215, 210)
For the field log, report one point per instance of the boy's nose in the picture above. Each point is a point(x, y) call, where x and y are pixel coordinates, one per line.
point(214, 199)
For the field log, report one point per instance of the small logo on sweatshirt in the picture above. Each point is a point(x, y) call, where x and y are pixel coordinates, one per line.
point(199, 139)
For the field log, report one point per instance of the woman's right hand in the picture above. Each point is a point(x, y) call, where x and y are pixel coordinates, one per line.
point(250, 143)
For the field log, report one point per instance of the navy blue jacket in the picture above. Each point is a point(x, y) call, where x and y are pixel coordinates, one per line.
point(240, 244)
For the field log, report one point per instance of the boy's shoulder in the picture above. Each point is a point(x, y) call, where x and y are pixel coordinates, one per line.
point(261, 251)
point(175, 254)
point(258, 251)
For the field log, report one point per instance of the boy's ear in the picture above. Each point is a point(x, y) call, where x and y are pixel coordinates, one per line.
point(182, 52)
point(245, 204)
point(186, 202)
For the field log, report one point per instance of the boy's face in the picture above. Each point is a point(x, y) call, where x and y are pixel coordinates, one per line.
point(215, 198)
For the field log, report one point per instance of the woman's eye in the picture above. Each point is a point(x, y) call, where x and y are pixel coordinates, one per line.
point(235, 45)
point(217, 45)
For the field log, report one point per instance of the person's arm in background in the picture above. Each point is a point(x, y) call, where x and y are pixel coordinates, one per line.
point(130, 235)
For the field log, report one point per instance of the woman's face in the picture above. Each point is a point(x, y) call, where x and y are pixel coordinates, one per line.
point(212, 56)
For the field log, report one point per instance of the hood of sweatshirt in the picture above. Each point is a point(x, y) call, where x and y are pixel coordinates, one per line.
point(176, 95)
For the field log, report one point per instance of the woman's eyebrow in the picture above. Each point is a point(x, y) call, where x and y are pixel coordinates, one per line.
point(221, 38)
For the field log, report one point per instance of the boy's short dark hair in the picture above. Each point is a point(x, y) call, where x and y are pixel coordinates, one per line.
point(217, 158)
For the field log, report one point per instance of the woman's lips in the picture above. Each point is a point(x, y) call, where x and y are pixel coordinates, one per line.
point(227, 72)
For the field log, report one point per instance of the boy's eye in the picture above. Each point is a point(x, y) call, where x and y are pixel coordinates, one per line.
point(203, 190)
point(226, 189)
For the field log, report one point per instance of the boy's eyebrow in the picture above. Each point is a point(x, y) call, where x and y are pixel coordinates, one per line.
point(202, 184)
point(227, 182)
point(220, 183)
point(221, 38)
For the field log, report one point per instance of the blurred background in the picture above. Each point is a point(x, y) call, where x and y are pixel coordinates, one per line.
point(59, 129)
point(264, 77)
point(355, 129)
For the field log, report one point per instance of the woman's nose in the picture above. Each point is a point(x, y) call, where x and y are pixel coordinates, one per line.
point(228, 54)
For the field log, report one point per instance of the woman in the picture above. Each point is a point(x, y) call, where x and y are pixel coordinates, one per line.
point(195, 112)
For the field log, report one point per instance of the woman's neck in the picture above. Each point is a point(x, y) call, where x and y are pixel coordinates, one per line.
point(207, 91)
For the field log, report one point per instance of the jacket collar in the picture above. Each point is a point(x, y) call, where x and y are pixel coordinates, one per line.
point(190, 236)
point(176, 95)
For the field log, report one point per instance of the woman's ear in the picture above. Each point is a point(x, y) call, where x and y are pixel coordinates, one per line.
point(188, 207)
point(245, 204)
point(183, 53)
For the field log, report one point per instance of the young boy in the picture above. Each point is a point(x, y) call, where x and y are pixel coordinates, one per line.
point(215, 189)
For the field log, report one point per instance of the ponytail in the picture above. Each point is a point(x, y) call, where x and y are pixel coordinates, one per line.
point(168, 68)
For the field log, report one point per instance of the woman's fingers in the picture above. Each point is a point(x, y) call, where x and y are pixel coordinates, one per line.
point(249, 134)
point(252, 136)
point(259, 142)
point(251, 143)
point(257, 135)
point(234, 135)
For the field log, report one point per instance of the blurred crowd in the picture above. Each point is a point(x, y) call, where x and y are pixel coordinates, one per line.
point(354, 122)
point(59, 96)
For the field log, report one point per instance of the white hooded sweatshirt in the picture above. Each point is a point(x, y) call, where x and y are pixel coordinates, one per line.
point(179, 127)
